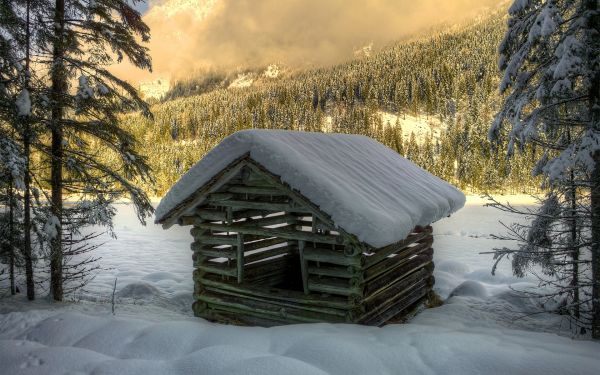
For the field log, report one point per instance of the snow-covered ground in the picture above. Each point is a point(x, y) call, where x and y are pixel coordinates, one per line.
point(421, 126)
point(484, 328)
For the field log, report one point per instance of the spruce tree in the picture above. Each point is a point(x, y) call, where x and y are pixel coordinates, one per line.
point(16, 47)
point(90, 154)
point(550, 59)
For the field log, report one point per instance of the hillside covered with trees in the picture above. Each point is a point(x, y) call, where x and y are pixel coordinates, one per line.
point(450, 77)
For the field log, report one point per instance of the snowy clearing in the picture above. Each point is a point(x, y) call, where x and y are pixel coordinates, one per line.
point(482, 328)
point(421, 126)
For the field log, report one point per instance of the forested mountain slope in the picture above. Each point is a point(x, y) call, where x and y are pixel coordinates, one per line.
point(449, 78)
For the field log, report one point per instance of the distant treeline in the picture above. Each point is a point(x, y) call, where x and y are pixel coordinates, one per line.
point(452, 77)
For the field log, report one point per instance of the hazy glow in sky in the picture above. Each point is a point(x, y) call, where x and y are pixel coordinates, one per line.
point(193, 34)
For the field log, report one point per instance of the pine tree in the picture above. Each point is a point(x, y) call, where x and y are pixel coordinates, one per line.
point(12, 168)
point(17, 29)
point(84, 122)
point(550, 58)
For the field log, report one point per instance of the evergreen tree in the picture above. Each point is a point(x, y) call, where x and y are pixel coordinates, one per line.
point(550, 58)
point(12, 168)
point(85, 38)
point(17, 32)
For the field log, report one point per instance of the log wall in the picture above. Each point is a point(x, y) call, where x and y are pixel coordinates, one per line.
point(264, 257)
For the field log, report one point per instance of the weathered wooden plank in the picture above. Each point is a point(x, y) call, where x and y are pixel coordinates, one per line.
point(212, 215)
point(187, 220)
point(256, 190)
point(375, 285)
point(391, 290)
point(384, 252)
point(271, 220)
point(250, 178)
point(278, 294)
point(303, 267)
point(274, 232)
point(331, 256)
point(269, 280)
point(403, 256)
point(207, 251)
point(254, 257)
point(219, 196)
point(265, 266)
point(276, 182)
point(267, 309)
point(275, 207)
point(267, 242)
point(297, 197)
point(235, 318)
point(216, 240)
point(396, 306)
point(219, 269)
point(333, 286)
point(184, 208)
point(334, 271)
point(240, 258)
point(196, 231)
point(282, 303)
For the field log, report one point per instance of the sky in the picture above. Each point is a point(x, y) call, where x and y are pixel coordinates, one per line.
point(188, 35)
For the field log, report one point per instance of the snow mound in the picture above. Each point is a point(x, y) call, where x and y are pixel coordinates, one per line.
point(74, 343)
point(160, 276)
point(453, 267)
point(470, 288)
point(138, 290)
point(367, 189)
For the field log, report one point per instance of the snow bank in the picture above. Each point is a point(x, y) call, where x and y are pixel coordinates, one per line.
point(73, 343)
point(367, 189)
point(471, 333)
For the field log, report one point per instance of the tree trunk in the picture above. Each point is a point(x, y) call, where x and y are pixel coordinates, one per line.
point(11, 239)
point(594, 107)
point(27, 251)
point(595, 193)
point(58, 90)
point(572, 198)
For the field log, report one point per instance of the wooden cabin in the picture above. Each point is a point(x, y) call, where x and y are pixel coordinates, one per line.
point(295, 227)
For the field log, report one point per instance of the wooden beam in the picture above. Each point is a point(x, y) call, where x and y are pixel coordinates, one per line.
point(334, 271)
point(219, 196)
point(240, 258)
point(219, 269)
point(331, 256)
point(216, 240)
point(188, 205)
point(256, 190)
point(382, 253)
point(255, 257)
point(402, 257)
point(282, 303)
point(264, 309)
point(393, 307)
point(210, 251)
point(273, 232)
point(303, 267)
point(267, 242)
point(275, 207)
point(296, 196)
point(278, 294)
point(211, 215)
point(333, 286)
point(376, 285)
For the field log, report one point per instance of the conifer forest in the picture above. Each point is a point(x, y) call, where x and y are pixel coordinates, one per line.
point(299, 187)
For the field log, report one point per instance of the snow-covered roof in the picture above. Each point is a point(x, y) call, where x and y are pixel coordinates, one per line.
point(366, 188)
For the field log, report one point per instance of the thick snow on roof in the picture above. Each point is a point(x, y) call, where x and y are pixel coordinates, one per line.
point(367, 189)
